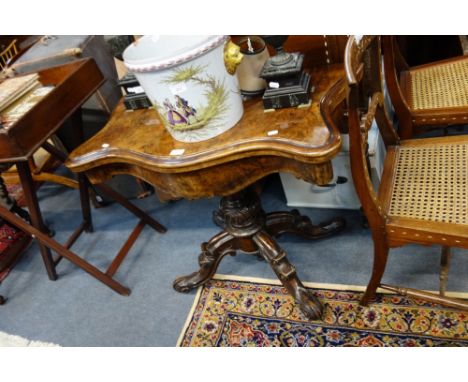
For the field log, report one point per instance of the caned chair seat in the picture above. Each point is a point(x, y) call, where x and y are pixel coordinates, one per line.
point(425, 190)
point(438, 86)
point(429, 96)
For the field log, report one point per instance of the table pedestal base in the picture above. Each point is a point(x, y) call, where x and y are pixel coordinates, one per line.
point(249, 229)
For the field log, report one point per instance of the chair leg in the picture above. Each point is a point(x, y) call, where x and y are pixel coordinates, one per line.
point(380, 261)
point(444, 269)
point(405, 128)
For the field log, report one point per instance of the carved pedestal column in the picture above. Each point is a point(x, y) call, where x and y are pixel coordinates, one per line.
point(249, 229)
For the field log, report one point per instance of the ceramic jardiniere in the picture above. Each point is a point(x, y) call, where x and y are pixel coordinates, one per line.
point(195, 93)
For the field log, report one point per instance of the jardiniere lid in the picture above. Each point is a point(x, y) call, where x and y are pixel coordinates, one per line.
point(158, 52)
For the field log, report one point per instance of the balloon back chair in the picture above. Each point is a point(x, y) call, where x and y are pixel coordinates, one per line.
point(423, 194)
point(426, 96)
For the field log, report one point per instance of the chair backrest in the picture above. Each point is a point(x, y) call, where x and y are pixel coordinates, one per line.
point(8, 54)
point(318, 49)
point(424, 49)
point(365, 100)
point(394, 64)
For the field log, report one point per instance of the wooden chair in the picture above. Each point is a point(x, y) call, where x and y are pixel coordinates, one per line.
point(426, 96)
point(7, 54)
point(423, 195)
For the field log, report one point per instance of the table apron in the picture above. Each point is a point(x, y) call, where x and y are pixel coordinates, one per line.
point(220, 180)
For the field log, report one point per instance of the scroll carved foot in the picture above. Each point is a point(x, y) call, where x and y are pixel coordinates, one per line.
point(286, 272)
point(212, 252)
point(278, 223)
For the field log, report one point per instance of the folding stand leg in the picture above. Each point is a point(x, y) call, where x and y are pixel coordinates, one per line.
point(144, 219)
point(27, 184)
point(38, 230)
point(49, 243)
point(105, 189)
point(105, 277)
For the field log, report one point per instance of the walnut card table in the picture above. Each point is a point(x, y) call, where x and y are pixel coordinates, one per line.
point(296, 141)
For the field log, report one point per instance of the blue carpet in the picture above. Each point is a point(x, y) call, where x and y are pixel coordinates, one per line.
point(77, 310)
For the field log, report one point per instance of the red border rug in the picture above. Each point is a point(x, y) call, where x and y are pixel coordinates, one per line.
point(245, 313)
point(13, 244)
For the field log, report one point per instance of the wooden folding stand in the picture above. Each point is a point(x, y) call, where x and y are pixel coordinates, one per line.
point(87, 226)
point(72, 85)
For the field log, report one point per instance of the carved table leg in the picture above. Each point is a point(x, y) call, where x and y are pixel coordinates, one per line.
point(212, 252)
point(293, 222)
point(242, 216)
point(286, 272)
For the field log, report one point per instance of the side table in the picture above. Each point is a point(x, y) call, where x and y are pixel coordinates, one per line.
point(72, 85)
point(296, 141)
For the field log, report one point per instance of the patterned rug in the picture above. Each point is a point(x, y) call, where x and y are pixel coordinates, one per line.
point(229, 312)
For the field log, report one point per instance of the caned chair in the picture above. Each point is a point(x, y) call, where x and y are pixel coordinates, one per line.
point(426, 96)
point(423, 195)
point(7, 54)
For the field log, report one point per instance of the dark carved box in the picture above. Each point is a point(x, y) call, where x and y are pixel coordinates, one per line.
point(291, 92)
